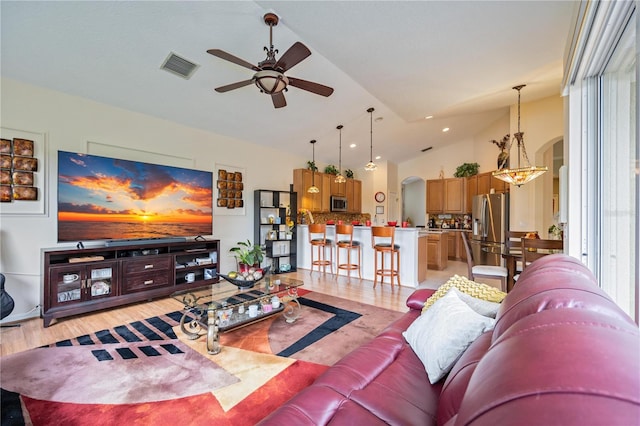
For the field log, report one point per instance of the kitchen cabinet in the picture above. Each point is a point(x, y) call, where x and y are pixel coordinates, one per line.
point(348, 185)
point(500, 186)
point(452, 246)
point(357, 196)
point(302, 180)
point(446, 195)
point(472, 191)
point(435, 194)
point(454, 195)
point(325, 192)
point(482, 183)
point(321, 202)
point(456, 249)
point(437, 250)
point(339, 189)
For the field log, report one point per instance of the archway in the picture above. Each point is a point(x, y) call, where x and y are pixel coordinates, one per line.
point(547, 190)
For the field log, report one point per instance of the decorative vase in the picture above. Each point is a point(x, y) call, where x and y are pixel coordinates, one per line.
point(503, 160)
point(244, 267)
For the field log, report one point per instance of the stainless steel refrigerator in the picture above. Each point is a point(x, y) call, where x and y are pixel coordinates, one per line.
point(490, 220)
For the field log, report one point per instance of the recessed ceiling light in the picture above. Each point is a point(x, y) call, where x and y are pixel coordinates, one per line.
point(428, 117)
point(353, 145)
point(378, 119)
point(446, 129)
point(378, 157)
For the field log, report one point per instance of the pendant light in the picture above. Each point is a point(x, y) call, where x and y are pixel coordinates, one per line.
point(313, 189)
point(339, 177)
point(525, 172)
point(371, 166)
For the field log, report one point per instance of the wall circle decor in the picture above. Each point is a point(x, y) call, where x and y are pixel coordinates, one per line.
point(380, 197)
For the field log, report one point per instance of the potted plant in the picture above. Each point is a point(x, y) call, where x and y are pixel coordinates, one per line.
point(248, 255)
point(555, 232)
point(331, 170)
point(466, 170)
point(311, 165)
point(348, 173)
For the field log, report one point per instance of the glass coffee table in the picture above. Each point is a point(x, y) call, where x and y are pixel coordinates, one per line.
point(223, 306)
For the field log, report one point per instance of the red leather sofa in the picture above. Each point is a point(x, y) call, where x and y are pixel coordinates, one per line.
point(561, 353)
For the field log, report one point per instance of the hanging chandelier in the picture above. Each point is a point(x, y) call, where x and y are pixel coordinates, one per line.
point(371, 166)
point(340, 178)
point(525, 172)
point(313, 189)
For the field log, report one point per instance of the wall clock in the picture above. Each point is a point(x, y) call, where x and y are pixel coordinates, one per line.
point(380, 197)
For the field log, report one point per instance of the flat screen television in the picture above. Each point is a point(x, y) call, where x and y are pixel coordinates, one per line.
point(102, 198)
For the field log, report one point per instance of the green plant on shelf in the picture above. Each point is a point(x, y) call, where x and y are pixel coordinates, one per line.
point(331, 170)
point(466, 170)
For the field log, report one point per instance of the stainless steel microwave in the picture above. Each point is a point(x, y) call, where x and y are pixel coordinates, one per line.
point(338, 204)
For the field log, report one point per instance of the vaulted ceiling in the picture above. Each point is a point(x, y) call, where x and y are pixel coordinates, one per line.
point(454, 60)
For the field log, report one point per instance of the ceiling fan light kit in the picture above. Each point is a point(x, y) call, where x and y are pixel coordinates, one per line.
point(525, 172)
point(371, 166)
point(269, 76)
point(270, 82)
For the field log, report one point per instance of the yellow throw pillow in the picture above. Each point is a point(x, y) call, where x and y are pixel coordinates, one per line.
point(465, 285)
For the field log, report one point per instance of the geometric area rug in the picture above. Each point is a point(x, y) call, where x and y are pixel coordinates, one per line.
point(149, 373)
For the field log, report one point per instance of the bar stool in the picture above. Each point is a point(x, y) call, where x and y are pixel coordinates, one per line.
point(318, 240)
point(386, 246)
point(349, 245)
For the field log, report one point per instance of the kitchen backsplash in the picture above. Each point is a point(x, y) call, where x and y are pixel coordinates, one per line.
point(451, 221)
point(346, 217)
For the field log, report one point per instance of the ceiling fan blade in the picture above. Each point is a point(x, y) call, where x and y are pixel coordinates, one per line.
point(229, 57)
point(278, 100)
point(292, 57)
point(310, 86)
point(233, 86)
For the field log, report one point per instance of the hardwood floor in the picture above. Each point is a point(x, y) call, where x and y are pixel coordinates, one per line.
point(31, 333)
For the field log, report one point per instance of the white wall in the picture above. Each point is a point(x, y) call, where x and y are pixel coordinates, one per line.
point(69, 123)
point(474, 150)
point(542, 124)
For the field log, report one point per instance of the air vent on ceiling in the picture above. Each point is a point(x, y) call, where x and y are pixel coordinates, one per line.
point(179, 66)
point(426, 149)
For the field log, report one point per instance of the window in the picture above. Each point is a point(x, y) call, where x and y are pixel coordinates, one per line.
point(600, 78)
point(617, 226)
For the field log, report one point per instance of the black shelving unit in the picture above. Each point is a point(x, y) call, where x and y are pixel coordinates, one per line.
point(273, 209)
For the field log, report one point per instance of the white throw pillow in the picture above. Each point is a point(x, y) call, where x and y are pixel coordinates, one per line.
point(443, 332)
point(483, 307)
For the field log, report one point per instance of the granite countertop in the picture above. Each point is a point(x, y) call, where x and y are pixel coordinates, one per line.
point(449, 229)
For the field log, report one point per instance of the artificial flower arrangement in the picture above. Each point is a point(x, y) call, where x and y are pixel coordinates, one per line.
point(502, 144)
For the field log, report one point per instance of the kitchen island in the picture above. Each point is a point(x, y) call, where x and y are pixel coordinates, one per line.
point(413, 252)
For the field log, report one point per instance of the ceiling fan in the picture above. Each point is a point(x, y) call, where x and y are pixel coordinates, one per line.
point(269, 76)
